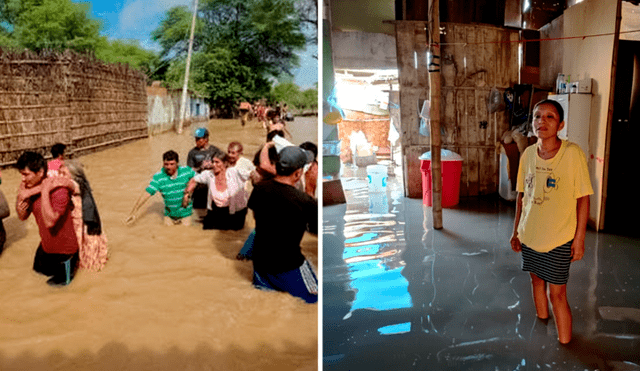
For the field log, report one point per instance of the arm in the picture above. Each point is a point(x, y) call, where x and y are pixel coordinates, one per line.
point(51, 212)
point(188, 191)
point(23, 201)
point(577, 247)
point(265, 162)
point(141, 201)
point(515, 241)
point(311, 179)
point(312, 227)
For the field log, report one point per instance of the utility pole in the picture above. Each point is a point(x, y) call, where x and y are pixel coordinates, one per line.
point(183, 103)
point(434, 91)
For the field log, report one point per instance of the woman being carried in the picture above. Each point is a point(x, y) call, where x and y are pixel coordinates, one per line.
point(227, 197)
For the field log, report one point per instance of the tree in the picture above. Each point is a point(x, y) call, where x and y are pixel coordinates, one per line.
point(49, 24)
point(287, 92)
point(217, 76)
point(308, 12)
point(172, 34)
point(310, 99)
point(290, 93)
point(63, 24)
point(252, 41)
point(126, 51)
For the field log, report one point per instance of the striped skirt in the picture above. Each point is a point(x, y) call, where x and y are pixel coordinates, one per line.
point(552, 266)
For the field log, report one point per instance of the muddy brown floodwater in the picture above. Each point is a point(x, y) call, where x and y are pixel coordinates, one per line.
point(169, 298)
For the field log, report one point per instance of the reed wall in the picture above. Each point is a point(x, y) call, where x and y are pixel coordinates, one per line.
point(74, 99)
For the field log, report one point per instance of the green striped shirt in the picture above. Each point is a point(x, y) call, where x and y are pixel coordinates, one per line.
point(172, 191)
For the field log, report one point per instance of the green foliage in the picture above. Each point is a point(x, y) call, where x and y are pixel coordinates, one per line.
point(126, 51)
point(289, 93)
point(174, 30)
point(63, 24)
point(50, 24)
point(309, 99)
point(286, 92)
point(217, 76)
point(238, 46)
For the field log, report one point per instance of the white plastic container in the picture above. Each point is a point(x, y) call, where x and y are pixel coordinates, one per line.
point(377, 178)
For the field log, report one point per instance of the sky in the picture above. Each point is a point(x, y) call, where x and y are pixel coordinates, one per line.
point(136, 19)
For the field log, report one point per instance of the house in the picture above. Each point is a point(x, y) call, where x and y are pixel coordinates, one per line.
point(164, 108)
point(487, 46)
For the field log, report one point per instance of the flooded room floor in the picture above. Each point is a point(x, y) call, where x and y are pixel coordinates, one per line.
point(399, 295)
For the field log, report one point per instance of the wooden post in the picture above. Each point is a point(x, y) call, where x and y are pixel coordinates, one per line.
point(183, 101)
point(434, 91)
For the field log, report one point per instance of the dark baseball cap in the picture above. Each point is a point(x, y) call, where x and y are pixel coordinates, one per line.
point(201, 133)
point(293, 157)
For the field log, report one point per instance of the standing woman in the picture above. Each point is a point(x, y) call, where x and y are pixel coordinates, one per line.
point(227, 197)
point(551, 213)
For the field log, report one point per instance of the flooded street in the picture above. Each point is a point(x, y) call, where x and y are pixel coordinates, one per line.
point(169, 298)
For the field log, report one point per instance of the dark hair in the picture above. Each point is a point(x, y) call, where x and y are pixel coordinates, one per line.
point(286, 171)
point(311, 147)
point(235, 144)
point(31, 160)
point(170, 155)
point(273, 133)
point(220, 155)
point(273, 156)
point(57, 150)
point(555, 104)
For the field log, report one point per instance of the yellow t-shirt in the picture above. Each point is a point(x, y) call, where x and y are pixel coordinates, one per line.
point(550, 191)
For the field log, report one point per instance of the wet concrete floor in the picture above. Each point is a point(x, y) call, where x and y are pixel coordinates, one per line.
point(399, 295)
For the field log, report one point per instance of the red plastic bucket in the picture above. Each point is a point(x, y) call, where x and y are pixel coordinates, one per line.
point(451, 171)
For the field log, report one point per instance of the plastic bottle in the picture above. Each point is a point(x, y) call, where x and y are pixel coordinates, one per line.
point(559, 82)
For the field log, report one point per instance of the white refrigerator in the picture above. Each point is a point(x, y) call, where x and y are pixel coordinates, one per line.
point(577, 116)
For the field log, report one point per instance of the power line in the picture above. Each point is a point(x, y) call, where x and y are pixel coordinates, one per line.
point(532, 40)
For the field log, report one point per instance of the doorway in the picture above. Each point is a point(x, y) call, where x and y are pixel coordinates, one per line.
point(622, 204)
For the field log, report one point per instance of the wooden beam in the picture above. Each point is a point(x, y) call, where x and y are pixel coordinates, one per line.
point(434, 90)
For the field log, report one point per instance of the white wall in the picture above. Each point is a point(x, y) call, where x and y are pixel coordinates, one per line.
point(592, 57)
point(363, 50)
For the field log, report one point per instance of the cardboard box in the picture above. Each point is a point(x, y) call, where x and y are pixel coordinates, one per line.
point(584, 86)
point(365, 160)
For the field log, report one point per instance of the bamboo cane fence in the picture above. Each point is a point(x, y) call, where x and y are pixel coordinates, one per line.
point(53, 97)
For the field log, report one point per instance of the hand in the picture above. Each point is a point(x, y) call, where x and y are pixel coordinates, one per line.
point(185, 200)
point(515, 243)
point(206, 165)
point(255, 177)
point(26, 193)
point(577, 250)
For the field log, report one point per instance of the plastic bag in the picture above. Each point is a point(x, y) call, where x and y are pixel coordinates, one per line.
point(425, 116)
point(495, 103)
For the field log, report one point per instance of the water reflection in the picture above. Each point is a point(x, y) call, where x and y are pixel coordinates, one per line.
point(373, 244)
point(400, 295)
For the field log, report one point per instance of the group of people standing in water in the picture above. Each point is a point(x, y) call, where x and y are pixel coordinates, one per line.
point(216, 188)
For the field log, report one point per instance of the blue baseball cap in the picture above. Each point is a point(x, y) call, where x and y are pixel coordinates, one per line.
point(201, 133)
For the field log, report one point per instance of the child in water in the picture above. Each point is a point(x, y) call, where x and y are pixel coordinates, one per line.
point(551, 213)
